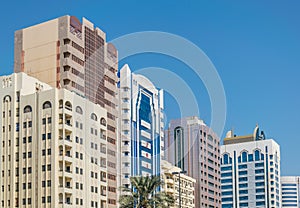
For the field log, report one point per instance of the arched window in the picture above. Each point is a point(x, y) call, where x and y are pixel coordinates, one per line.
point(68, 105)
point(7, 98)
point(256, 155)
point(27, 109)
point(225, 159)
point(103, 121)
point(60, 104)
point(244, 157)
point(79, 110)
point(46, 105)
point(94, 117)
point(179, 146)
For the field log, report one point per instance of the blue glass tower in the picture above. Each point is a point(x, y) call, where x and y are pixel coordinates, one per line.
point(141, 126)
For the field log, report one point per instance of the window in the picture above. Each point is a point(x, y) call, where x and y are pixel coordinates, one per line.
point(94, 117)
point(7, 98)
point(256, 155)
point(68, 106)
point(225, 159)
point(28, 109)
point(46, 105)
point(79, 110)
point(244, 157)
point(103, 121)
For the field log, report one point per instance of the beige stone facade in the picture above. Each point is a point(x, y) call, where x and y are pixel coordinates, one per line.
point(171, 185)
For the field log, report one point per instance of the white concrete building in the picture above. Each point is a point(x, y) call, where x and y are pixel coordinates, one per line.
point(250, 171)
point(141, 125)
point(170, 176)
point(53, 146)
point(290, 190)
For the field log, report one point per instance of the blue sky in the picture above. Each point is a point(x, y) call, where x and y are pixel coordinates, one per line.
point(254, 45)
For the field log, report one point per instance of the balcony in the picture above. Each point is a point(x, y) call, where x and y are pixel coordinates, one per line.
point(110, 74)
point(170, 190)
point(69, 48)
point(125, 181)
point(103, 177)
point(103, 136)
point(68, 139)
point(126, 148)
point(126, 127)
point(103, 150)
point(125, 105)
point(126, 170)
point(65, 204)
point(169, 181)
point(126, 94)
point(126, 159)
point(68, 123)
point(68, 126)
point(103, 192)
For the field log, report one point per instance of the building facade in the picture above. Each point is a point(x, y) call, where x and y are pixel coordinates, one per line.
point(53, 147)
point(170, 176)
point(192, 146)
point(73, 54)
point(250, 171)
point(141, 126)
point(290, 190)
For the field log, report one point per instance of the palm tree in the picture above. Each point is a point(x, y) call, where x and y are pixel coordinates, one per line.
point(144, 194)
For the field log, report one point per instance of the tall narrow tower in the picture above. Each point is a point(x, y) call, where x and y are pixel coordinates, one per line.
point(73, 54)
point(141, 126)
point(192, 146)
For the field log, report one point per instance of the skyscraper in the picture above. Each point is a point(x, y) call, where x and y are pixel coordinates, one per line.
point(72, 54)
point(250, 171)
point(141, 126)
point(192, 146)
point(290, 189)
point(53, 146)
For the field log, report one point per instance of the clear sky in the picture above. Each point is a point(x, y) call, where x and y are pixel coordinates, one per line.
point(254, 45)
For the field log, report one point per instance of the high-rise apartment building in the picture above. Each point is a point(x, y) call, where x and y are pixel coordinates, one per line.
point(73, 54)
point(192, 146)
point(250, 171)
point(290, 190)
point(171, 178)
point(141, 126)
point(53, 147)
